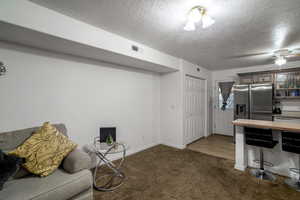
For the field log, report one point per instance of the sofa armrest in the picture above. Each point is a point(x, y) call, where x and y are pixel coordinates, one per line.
point(76, 161)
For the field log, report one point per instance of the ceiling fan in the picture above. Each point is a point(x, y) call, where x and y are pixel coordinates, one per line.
point(281, 55)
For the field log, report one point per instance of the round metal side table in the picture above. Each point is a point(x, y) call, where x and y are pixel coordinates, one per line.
point(108, 175)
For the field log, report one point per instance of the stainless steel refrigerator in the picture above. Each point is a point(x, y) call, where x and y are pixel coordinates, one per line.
point(253, 101)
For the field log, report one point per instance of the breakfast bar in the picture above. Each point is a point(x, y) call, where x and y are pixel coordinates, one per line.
point(281, 157)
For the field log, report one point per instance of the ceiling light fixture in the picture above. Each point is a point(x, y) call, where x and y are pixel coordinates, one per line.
point(195, 15)
point(190, 26)
point(280, 60)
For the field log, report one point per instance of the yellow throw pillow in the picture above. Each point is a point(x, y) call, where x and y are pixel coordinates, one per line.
point(44, 150)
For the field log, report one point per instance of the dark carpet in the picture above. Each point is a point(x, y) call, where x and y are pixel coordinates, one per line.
point(164, 173)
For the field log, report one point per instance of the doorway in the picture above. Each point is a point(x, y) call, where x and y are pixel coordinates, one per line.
point(223, 118)
point(220, 144)
point(194, 109)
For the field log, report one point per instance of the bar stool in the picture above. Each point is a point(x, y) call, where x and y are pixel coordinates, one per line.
point(262, 138)
point(291, 143)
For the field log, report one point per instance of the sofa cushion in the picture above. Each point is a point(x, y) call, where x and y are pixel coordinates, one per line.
point(11, 140)
point(59, 185)
point(76, 161)
point(86, 195)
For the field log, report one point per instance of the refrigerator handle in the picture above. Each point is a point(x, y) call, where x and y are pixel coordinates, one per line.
point(237, 109)
point(250, 102)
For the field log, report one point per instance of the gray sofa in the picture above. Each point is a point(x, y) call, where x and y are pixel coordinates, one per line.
point(76, 184)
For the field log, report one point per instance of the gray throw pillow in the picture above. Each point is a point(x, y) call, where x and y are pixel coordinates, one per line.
point(76, 161)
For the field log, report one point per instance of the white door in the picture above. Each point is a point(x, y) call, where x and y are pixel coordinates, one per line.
point(194, 109)
point(222, 119)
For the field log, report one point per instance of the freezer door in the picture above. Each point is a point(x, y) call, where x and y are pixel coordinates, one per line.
point(261, 101)
point(241, 101)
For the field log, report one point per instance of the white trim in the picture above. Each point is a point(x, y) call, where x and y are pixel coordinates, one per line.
point(206, 110)
point(177, 146)
point(240, 167)
point(241, 151)
point(137, 150)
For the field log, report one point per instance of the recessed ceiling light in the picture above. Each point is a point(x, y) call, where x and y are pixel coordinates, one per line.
point(195, 15)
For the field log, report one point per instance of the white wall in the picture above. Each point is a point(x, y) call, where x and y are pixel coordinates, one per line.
point(85, 94)
point(172, 104)
point(171, 109)
point(42, 86)
point(146, 107)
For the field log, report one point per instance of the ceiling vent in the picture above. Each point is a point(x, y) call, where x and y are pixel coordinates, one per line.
point(135, 48)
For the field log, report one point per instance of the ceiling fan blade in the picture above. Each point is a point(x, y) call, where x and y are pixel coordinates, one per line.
point(293, 55)
point(247, 55)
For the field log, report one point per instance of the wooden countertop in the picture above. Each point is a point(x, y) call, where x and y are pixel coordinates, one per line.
point(281, 126)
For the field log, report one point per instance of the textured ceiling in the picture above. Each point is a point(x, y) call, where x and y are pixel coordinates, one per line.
point(243, 27)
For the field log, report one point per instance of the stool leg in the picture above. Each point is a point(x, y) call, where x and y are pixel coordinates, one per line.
point(295, 184)
point(261, 173)
point(262, 160)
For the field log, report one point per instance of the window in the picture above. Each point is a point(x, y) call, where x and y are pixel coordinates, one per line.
point(229, 101)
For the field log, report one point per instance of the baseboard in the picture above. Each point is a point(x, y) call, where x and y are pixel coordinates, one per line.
point(175, 146)
point(137, 150)
point(222, 134)
point(129, 152)
point(240, 167)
